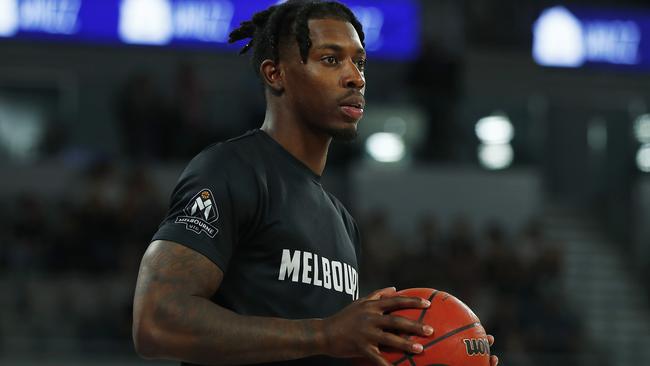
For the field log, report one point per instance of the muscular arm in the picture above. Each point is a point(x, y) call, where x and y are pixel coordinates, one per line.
point(173, 317)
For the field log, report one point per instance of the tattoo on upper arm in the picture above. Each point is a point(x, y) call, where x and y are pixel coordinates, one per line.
point(171, 280)
point(174, 267)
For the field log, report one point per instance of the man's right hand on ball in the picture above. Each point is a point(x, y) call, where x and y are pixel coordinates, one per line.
point(363, 326)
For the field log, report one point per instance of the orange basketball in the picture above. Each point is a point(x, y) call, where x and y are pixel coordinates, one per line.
point(459, 338)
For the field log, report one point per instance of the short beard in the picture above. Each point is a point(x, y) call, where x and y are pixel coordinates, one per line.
point(342, 135)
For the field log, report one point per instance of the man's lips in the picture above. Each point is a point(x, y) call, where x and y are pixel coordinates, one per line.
point(354, 112)
point(353, 105)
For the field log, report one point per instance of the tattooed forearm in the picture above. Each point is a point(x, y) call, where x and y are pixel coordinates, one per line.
point(173, 318)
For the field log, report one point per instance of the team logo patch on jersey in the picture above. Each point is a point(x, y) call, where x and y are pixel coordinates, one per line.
point(200, 213)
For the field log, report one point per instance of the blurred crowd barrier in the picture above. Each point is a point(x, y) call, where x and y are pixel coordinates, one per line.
point(512, 282)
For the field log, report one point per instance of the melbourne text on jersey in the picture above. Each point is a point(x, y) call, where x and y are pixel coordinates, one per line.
point(312, 269)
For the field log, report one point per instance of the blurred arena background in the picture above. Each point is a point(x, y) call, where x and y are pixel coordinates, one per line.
point(504, 158)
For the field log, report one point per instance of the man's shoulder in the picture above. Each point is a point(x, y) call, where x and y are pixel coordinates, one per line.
point(230, 147)
point(233, 156)
point(231, 150)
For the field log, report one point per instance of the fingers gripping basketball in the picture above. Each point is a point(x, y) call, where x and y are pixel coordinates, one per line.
point(459, 340)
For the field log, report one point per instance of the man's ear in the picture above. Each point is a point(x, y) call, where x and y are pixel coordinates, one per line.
point(273, 76)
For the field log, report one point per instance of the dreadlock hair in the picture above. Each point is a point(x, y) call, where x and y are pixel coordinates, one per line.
point(268, 28)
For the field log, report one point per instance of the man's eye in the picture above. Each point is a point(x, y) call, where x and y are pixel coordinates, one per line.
point(330, 60)
point(361, 65)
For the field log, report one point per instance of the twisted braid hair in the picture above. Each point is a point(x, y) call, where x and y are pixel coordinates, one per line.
point(269, 28)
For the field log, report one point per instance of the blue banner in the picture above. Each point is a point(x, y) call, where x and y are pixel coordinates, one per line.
point(392, 27)
point(576, 37)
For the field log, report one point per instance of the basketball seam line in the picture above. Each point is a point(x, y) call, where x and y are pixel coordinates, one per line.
point(424, 311)
point(453, 332)
point(441, 338)
point(422, 314)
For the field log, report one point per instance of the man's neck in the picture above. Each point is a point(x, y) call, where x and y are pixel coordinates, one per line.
point(299, 140)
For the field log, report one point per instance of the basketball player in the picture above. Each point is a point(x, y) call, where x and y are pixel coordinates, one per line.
point(255, 261)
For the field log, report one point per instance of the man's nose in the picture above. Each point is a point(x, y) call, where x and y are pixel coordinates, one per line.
point(354, 78)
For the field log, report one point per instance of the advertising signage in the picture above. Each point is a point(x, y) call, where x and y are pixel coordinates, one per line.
point(391, 27)
point(577, 37)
